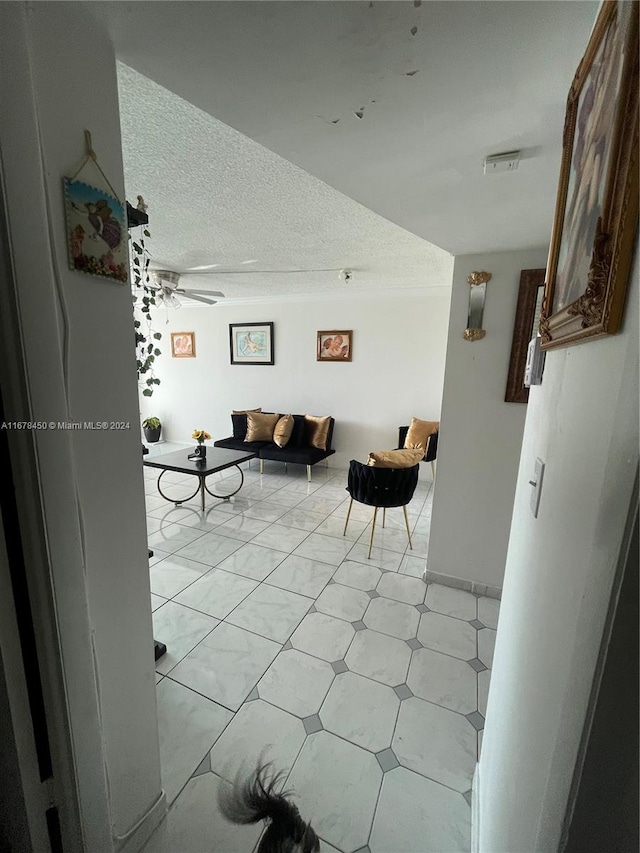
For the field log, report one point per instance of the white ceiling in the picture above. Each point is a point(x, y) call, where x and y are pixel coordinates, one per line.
point(490, 77)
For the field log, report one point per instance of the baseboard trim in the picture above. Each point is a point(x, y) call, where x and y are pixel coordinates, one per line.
point(461, 583)
point(475, 811)
point(138, 835)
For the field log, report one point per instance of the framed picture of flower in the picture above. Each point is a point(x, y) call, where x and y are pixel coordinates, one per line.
point(183, 344)
point(335, 345)
point(251, 343)
point(597, 202)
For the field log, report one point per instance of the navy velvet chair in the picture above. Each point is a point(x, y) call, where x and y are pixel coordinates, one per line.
point(381, 488)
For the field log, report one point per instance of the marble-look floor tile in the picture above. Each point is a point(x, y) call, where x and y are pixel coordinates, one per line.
point(401, 588)
point(488, 611)
point(336, 785)
point(301, 519)
point(436, 742)
point(323, 636)
point(258, 733)
point(272, 612)
point(387, 538)
point(180, 629)
point(486, 646)
point(242, 527)
point(325, 549)
point(420, 543)
point(378, 656)
point(227, 665)
point(296, 682)
point(171, 575)
point(359, 512)
point(253, 561)
point(358, 575)
point(301, 575)
point(322, 502)
point(344, 602)
point(448, 635)
point(280, 538)
point(392, 617)
point(206, 521)
point(157, 601)
point(413, 566)
point(266, 511)
point(416, 815)
point(443, 680)
point(483, 690)
point(157, 556)
point(180, 712)
point(216, 593)
point(153, 500)
point(194, 824)
point(450, 601)
point(169, 513)
point(173, 537)
point(389, 560)
point(361, 711)
point(153, 525)
point(211, 549)
point(334, 526)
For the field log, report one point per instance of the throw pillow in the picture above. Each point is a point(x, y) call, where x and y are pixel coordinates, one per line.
point(283, 430)
point(317, 429)
point(260, 426)
point(239, 421)
point(395, 458)
point(419, 432)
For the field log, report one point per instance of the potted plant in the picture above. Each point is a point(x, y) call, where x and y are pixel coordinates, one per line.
point(152, 428)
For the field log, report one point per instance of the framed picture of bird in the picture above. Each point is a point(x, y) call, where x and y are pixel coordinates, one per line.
point(96, 231)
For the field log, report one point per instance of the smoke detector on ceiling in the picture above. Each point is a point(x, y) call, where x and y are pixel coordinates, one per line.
point(505, 162)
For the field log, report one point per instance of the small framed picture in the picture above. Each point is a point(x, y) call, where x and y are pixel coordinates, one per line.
point(183, 344)
point(335, 345)
point(251, 343)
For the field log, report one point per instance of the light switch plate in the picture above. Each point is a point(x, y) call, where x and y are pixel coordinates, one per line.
point(536, 486)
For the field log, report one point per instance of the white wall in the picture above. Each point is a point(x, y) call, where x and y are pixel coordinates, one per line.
point(396, 373)
point(481, 435)
point(78, 339)
point(583, 423)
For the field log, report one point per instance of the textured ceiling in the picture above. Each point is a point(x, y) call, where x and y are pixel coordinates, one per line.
point(217, 197)
point(395, 104)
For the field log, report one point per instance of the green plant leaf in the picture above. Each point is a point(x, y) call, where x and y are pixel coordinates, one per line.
point(147, 392)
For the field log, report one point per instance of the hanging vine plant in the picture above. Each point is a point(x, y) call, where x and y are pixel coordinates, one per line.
point(143, 300)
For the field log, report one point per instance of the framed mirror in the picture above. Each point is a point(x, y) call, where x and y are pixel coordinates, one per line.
point(525, 327)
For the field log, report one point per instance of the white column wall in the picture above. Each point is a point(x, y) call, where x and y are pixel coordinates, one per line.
point(481, 435)
point(583, 423)
point(397, 369)
point(59, 76)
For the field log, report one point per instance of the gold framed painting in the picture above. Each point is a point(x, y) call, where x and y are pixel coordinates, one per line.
point(597, 202)
point(183, 345)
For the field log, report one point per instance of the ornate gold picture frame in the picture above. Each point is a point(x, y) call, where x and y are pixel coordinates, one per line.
point(597, 202)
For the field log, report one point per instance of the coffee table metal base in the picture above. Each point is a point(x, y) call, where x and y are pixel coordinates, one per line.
point(202, 487)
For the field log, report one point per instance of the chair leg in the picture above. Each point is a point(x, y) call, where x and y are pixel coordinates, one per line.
point(344, 532)
point(433, 470)
point(406, 521)
point(384, 515)
point(262, 466)
point(309, 473)
point(373, 530)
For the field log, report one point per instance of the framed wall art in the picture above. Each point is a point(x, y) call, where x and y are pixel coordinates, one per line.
point(251, 343)
point(183, 344)
point(335, 345)
point(525, 327)
point(597, 202)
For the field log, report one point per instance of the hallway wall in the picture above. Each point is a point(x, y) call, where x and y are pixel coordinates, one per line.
point(60, 79)
point(583, 423)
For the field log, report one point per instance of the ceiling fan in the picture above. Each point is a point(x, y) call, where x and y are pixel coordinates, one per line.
point(165, 283)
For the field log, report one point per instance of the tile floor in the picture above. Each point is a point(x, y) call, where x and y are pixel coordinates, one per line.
point(366, 686)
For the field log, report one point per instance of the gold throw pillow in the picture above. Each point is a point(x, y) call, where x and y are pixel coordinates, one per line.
point(260, 426)
point(395, 458)
point(317, 429)
point(419, 432)
point(283, 430)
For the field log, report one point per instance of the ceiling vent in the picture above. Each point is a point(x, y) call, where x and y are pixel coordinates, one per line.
point(505, 162)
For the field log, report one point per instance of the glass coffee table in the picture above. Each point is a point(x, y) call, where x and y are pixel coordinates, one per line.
point(217, 459)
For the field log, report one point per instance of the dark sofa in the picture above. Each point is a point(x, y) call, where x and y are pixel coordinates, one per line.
point(298, 449)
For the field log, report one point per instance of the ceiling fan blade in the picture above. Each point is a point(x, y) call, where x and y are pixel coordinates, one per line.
point(201, 292)
point(191, 295)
